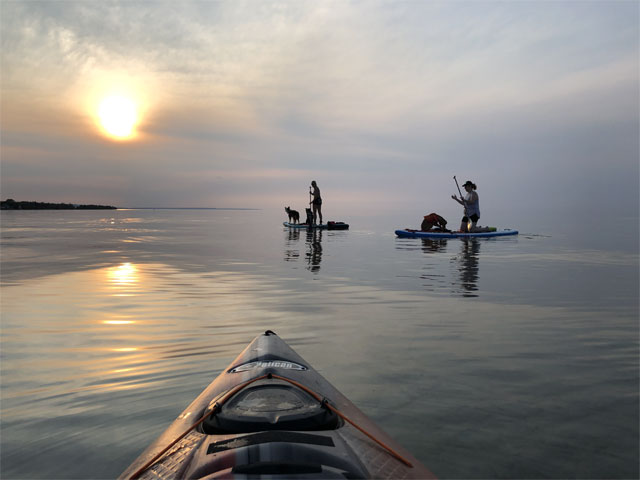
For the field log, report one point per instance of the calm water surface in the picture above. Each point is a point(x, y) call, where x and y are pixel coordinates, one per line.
point(494, 358)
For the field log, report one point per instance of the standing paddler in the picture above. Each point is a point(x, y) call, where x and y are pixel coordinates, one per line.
point(316, 201)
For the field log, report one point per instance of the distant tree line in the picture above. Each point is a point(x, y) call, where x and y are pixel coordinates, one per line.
point(11, 204)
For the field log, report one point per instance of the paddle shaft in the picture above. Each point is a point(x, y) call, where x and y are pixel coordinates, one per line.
point(310, 205)
point(461, 197)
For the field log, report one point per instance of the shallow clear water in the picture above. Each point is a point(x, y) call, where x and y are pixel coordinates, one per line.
point(490, 358)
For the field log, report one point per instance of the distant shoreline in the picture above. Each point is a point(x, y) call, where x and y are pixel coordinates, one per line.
point(11, 204)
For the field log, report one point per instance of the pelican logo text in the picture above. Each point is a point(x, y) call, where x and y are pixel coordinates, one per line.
point(283, 364)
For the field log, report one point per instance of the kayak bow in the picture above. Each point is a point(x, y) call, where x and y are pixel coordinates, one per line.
point(271, 415)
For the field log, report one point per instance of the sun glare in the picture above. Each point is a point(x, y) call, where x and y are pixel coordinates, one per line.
point(118, 116)
point(125, 274)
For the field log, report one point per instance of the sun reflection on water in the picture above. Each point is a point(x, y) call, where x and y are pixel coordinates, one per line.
point(124, 280)
point(125, 349)
point(124, 274)
point(119, 327)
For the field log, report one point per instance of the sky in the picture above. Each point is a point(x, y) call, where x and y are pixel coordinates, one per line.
point(242, 103)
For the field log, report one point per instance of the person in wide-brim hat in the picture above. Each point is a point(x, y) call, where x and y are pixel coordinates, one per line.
point(471, 204)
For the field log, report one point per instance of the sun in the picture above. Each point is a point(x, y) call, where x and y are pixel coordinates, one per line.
point(118, 116)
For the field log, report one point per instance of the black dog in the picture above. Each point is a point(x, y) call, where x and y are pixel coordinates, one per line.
point(309, 220)
point(292, 215)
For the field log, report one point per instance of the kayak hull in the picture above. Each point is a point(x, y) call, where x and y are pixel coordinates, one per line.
point(310, 444)
point(419, 234)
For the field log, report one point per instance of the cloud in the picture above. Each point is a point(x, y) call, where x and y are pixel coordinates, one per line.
point(245, 100)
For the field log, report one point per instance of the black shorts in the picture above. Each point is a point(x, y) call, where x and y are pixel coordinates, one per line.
point(474, 218)
point(317, 202)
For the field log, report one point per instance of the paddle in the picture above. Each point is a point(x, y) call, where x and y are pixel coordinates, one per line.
point(311, 204)
point(461, 197)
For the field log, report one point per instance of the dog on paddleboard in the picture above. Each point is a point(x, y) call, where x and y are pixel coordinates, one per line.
point(309, 220)
point(293, 215)
point(434, 220)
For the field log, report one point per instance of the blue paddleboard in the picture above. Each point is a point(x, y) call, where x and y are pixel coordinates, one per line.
point(418, 234)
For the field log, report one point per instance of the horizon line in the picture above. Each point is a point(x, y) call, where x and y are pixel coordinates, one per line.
point(187, 208)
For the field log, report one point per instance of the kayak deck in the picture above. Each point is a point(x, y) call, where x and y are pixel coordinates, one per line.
point(407, 233)
point(271, 415)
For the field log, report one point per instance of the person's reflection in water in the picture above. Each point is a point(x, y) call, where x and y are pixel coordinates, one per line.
point(291, 253)
point(433, 245)
point(468, 267)
point(314, 249)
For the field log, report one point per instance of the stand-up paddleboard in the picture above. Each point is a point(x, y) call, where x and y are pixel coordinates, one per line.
point(407, 233)
point(304, 225)
point(269, 414)
point(323, 226)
